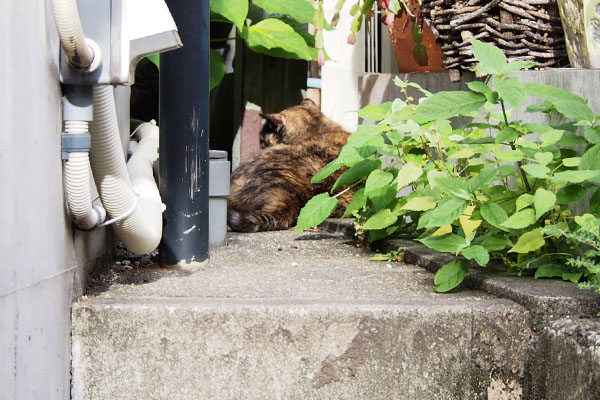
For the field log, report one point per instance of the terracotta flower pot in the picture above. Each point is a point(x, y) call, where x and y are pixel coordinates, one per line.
point(413, 56)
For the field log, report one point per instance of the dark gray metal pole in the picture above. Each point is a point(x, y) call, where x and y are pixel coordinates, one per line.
point(184, 123)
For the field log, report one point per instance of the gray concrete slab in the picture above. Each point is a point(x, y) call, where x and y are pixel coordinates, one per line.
point(277, 315)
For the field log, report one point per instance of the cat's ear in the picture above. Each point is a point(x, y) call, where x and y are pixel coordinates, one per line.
point(308, 103)
point(275, 122)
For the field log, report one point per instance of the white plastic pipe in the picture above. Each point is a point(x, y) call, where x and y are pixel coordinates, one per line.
point(135, 201)
point(82, 54)
point(77, 184)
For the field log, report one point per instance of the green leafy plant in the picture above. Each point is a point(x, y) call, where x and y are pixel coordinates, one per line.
point(284, 34)
point(494, 188)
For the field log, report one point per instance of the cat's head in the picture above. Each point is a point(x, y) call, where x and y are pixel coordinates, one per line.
point(292, 124)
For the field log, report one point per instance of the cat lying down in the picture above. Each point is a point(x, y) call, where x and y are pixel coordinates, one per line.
point(268, 191)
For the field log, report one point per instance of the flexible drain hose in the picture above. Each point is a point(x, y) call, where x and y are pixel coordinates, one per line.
point(77, 183)
point(79, 51)
point(140, 228)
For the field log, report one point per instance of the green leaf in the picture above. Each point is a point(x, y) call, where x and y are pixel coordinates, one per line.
point(356, 172)
point(572, 276)
point(372, 113)
point(575, 176)
point(301, 10)
point(453, 186)
point(543, 201)
point(447, 211)
point(592, 135)
point(493, 214)
point(380, 220)
point(544, 158)
point(364, 134)
point(571, 194)
point(495, 243)
point(462, 153)
point(509, 155)
point(492, 59)
point(529, 241)
point(567, 103)
point(217, 68)
point(511, 90)
point(550, 271)
point(233, 10)
point(358, 201)
point(444, 105)
point(408, 174)
point(482, 179)
point(480, 87)
point(595, 202)
point(551, 137)
point(477, 253)
point(315, 211)
point(520, 219)
point(326, 172)
point(451, 275)
point(570, 140)
point(524, 200)
point(424, 203)
point(507, 135)
point(271, 34)
point(536, 170)
point(449, 243)
point(571, 161)
point(376, 180)
point(507, 170)
point(591, 158)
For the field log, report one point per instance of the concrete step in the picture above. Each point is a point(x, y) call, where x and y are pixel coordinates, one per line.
point(277, 315)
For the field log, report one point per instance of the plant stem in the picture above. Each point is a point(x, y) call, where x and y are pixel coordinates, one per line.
point(513, 147)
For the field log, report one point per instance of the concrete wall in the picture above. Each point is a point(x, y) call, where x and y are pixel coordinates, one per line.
point(44, 261)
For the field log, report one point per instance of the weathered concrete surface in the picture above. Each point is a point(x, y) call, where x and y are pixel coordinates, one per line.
point(281, 316)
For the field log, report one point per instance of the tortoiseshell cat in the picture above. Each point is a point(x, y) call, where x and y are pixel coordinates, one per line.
point(268, 191)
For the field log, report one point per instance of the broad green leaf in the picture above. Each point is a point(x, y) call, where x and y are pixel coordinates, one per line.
point(571, 161)
point(572, 276)
point(358, 201)
point(496, 242)
point(447, 211)
point(570, 140)
point(424, 203)
point(506, 135)
point(376, 180)
point(315, 211)
point(356, 172)
point(595, 202)
point(453, 186)
point(444, 105)
point(551, 137)
point(567, 103)
point(451, 275)
point(511, 90)
point(520, 219)
point(463, 153)
point(529, 241)
point(482, 179)
point(523, 201)
point(592, 135)
point(383, 196)
point(591, 159)
point(544, 158)
point(507, 170)
point(550, 271)
point(493, 214)
point(573, 176)
point(477, 253)
point(301, 10)
point(217, 68)
point(396, 137)
point(408, 174)
point(480, 87)
point(272, 33)
point(509, 155)
point(536, 170)
point(571, 194)
point(449, 243)
point(326, 171)
point(372, 113)
point(380, 220)
point(234, 10)
point(364, 134)
point(543, 201)
point(492, 60)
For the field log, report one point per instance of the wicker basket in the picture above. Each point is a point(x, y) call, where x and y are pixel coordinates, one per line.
point(528, 30)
